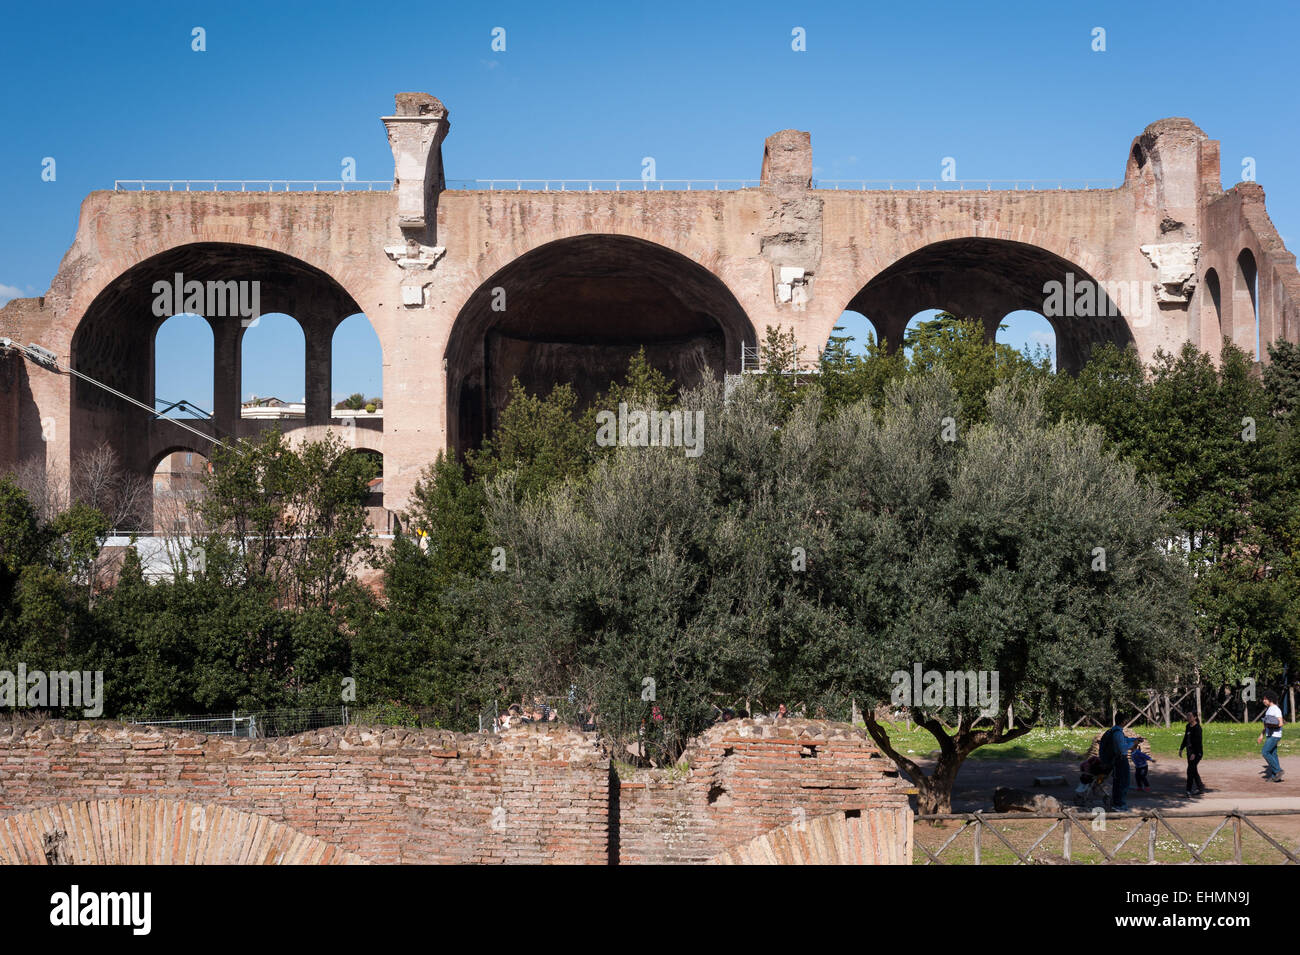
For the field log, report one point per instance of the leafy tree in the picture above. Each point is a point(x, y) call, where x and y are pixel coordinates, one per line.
point(21, 538)
point(294, 517)
point(1110, 391)
point(1282, 377)
point(981, 555)
point(541, 438)
point(768, 570)
point(613, 590)
point(780, 361)
point(642, 385)
point(1215, 438)
point(847, 378)
point(975, 365)
point(45, 620)
point(415, 651)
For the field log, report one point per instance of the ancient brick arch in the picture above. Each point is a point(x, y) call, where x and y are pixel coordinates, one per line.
point(359, 434)
point(113, 343)
point(97, 261)
point(1245, 301)
point(680, 222)
point(1266, 291)
point(576, 309)
point(195, 446)
point(848, 837)
point(1008, 229)
point(138, 831)
point(985, 279)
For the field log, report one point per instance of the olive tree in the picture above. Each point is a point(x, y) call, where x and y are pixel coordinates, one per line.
point(1007, 562)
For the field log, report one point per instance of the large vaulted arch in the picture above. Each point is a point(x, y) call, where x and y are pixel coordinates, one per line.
point(575, 310)
point(986, 279)
point(114, 343)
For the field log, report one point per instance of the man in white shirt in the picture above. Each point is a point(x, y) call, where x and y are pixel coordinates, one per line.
point(1271, 736)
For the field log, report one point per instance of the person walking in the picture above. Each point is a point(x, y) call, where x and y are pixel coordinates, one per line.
point(1271, 736)
point(1192, 743)
point(1113, 752)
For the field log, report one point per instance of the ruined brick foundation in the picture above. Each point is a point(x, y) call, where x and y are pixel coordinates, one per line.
point(759, 790)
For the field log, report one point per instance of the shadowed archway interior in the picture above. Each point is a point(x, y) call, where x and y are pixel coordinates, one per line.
point(115, 339)
point(986, 279)
point(576, 310)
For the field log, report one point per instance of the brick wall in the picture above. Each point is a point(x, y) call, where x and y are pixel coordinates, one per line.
point(539, 793)
point(387, 794)
point(749, 777)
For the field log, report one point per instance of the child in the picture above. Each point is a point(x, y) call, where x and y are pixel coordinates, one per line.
point(1140, 760)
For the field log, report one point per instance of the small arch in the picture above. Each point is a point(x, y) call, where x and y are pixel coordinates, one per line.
point(356, 367)
point(273, 369)
point(178, 476)
point(376, 496)
point(1212, 314)
point(1138, 156)
point(183, 356)
point(1245, 305)
point(1029, 332)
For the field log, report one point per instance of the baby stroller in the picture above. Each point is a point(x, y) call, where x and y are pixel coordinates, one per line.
point(1093, 789)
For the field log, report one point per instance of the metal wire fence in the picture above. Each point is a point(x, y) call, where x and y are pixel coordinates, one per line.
point(256, 725)
point(1233, 837)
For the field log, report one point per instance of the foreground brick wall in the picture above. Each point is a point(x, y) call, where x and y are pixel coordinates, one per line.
point(539, 793)
point(389, 795)
point(747, 778)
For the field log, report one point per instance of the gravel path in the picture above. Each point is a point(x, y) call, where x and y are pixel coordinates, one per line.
point(1232, 782)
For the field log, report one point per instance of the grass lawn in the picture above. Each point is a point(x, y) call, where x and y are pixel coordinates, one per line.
point(1220, 741)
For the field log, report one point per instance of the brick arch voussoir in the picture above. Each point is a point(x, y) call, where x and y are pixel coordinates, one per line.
point(853, 837)
point(1069, 250)
point(351, 278)
point(503, 255)
point(876, 262)
point(160, 448)
point(140, 831)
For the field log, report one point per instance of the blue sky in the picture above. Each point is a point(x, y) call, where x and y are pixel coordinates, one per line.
point(1010, 90)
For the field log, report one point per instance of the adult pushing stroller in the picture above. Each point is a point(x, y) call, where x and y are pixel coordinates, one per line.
point(1093, 789)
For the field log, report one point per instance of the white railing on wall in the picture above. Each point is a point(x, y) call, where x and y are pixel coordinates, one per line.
point(962, 185)
point(854, 185)
point(610, 185)
point(602, 185)
point(250, 185)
